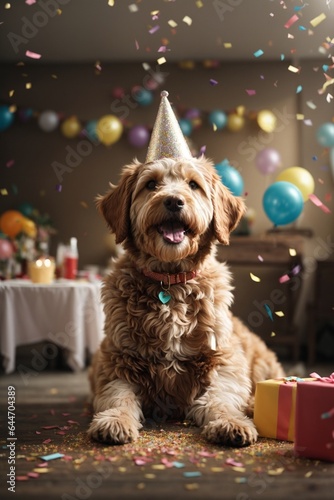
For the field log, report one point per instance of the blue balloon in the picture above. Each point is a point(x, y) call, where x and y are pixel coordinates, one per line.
point(230, 177)
point(218, 118)
point(143, 97)
point(186, 126)
point(6, 117)
point(283, 203)
point(325, 135)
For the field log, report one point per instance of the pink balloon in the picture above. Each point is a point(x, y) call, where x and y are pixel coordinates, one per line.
point(267, 161)
point(6, 249)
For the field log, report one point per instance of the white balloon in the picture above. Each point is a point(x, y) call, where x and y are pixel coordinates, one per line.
point(48, 121)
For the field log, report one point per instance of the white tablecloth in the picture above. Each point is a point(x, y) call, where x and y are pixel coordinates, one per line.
point(65, 313)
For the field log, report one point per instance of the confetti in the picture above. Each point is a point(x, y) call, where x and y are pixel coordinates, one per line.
point(293, 69)
point(325, 85)
point(311, 105)
point(191, 486)
point(192, 474)
point(292, 252)
point(154, 29)
point(317, 20)
point(111, 3)
point(33, 55)
point(251, 91)
point(280, 314)
point(52, 456)
point(255, 278)
point(227, 45)
point(161, 60)
point(178, 465)
point(59, 187)
point(269, 312)
point(276, 472)
point(3, 192)
point(260, 258)
point(187, 20)
point(172, 23)
point(318, 203)
point(28, 85)
point(291, 21)
point(309, 473)
point(231, 461)
point(299, 89)
point(258, 53)
point(30, 2)
point(213, 82)
point(133, 7)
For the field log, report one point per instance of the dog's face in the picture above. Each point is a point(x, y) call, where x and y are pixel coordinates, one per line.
point(171, 208)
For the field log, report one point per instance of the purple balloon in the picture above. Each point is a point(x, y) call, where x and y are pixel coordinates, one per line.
point(267, 161)
point(138, 136)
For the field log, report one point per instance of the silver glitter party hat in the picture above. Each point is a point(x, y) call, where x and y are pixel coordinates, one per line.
point(167, 139)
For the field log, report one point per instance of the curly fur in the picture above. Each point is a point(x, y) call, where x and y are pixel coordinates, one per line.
point(158, 360)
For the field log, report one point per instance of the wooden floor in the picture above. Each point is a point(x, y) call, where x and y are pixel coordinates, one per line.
point(169, 461)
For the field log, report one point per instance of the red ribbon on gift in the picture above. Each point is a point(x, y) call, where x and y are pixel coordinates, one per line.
point(285, 404)
point(329, 379)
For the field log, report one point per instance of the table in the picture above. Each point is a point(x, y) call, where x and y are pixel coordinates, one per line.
point(66, 314)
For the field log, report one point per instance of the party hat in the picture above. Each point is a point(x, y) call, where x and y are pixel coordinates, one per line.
point(167, 139)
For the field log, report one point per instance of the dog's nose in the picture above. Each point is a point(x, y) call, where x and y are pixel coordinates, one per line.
point(174, 204)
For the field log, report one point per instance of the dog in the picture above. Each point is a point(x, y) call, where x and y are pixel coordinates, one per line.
point(171, 343)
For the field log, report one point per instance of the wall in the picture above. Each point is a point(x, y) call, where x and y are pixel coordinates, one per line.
point(78, 90)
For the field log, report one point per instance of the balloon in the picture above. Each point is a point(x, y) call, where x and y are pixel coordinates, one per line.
point(235, 122)
point(48, 121)
point(6, 249)
point(142, 96)
point(6, 117)
point(29, 228)
point(11, 223)
point(109, 129)
point(218, 119)
point(192, 114)
point(283, 203)
point(267, 161)
point(71, 127)
point(138, 136)
point(266, 120)
point(325, 135)
point(186, 126)
point(230, 177)
point(26, 209)
point(300, 177)
point(118, 92)
point(90, 130)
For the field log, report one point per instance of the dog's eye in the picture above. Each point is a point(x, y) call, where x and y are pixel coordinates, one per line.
point(193, 185)
point(151, 185)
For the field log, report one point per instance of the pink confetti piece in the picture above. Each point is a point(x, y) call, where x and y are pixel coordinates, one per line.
point(167, 463)
point(318, 203)
point(154, 29)
point(162, 48)
point(73, 422)
point(42, 465)
point(67, 458)
point(48, 427)
point(202, 150)
point(251, 91)
point(33, 474)
point(137, 45)
point(61, 433)
point(30, 2)
point(231, 461)
point(260, 258)
point(22, 478)
point(52, 412)
point(38, 432)
point(142, 460)
point(33, 55)
point(10, 163)
point(291, 21)
point(66, 414)
point(284, 278)
point(59, 187)
point(47, 441)
point(205, 453)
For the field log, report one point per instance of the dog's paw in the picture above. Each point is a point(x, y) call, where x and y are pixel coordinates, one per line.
point(234, 432)
point(114, 426)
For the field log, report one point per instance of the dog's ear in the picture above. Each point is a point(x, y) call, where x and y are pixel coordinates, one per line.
point(115, 205)
point(228, 210)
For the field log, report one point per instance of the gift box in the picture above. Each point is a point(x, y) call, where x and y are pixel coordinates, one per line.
point(274, 407)
point(314, 437)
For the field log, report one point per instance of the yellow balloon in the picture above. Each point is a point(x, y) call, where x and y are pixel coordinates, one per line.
point(300, 177)
point(266, 120)
point(71, 127)
point(109, 129)
point(235, 122)
point(29, 228)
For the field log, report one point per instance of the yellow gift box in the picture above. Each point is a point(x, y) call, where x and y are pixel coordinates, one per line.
point(275, 408)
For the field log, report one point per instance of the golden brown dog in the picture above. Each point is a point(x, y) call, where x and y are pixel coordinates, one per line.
point(171, 345)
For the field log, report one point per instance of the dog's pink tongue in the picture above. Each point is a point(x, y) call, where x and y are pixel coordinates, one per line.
point(171, 233)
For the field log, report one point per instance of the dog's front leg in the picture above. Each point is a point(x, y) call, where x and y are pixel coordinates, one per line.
point(220, 411)
point(118, 414)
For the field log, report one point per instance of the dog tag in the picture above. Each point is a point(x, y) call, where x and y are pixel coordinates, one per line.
point(164, 297)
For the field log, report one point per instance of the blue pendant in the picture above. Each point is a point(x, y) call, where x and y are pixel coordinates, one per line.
point(164, 297)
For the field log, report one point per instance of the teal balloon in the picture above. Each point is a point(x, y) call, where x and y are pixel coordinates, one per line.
point(6, 117)
point(143, 97)
point(218, 118)
point(26, 209)
point(230, 177)
point(90, 130)
point(186, 126)
point(283, 203)
point(325, 135)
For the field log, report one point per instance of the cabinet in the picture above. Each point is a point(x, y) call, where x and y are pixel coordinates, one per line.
point(267, 300)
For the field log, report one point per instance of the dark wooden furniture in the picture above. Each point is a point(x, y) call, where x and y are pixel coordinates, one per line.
point(322, 308)
point(270, 257)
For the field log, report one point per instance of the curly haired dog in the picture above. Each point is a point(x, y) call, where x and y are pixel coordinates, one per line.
point(171, 343)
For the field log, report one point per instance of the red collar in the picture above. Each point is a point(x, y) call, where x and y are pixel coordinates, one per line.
point(170, 279)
